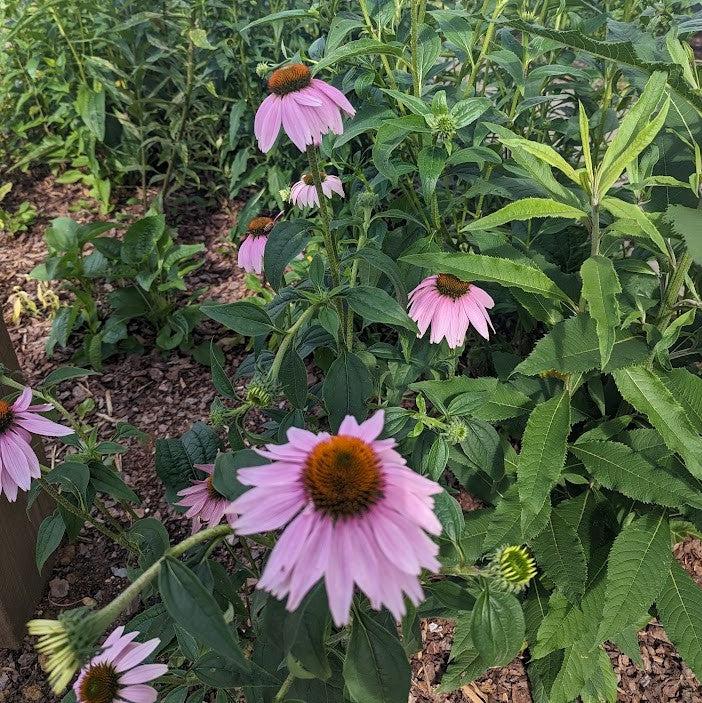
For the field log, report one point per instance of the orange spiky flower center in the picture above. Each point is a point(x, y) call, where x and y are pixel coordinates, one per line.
point(100, 684)
point(451, 286)
point(259, 226)
point(290, 78)
point(6, 416)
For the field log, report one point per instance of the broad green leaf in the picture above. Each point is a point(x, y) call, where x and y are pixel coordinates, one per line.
point(620, 468)
point(465, 662)
point(346, 388)
point(242, 317)
point(647, 393)
point(199, 38)
point(293, 378)
point(680, 610)
point(545, 153)
point(278, 17)
point(376, 669)
point(559, 552)
point(375, 305)
point(637, 569)
point(49, 536)
point(430, 162)
point(587, 674)
point(600, 289)
point(543, 453)
point(497, 626)
point(631, 211)
point(572, 346)
point(525, 209)
point(305, 631)
point(191, 605)
point(450, 515)
point(687, 223)
point(509, 526)
point(140, 239)
point(478, 267)
point(359, 47)
point(90, 105)
point(66, 373)
point(285, 241)
point(389, 136)
point(686, 388)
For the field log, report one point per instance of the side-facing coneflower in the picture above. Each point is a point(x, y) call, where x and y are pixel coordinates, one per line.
point(117, 674)
point(304, 193)
point(206, 506)
point(252, 247)
point(306, 107)
point(18, 462)
point(450, 306)
point(356, 512)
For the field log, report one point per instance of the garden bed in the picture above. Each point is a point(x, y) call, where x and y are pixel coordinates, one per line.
point(154, 393)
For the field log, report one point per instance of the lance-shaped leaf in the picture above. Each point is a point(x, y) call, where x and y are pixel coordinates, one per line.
point(478, 267)
point(600, 289)
point(543, 453)
point(648, 394)
point(525, 209)
point(687, 223)
point(630, 211)
point(545, 153)
point(637, 569)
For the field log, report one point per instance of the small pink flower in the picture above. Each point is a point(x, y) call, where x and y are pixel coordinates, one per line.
point(251, 249)
point(114, 675)
point(356, 514)
point(306, 107)
point(18, 462)
point(450, 306)
point(304, 194)
point(205, 505)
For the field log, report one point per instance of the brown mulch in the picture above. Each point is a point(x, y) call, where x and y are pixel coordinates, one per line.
point(164, 395)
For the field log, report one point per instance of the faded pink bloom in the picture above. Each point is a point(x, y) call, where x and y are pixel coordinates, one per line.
point(116, 674)
point(304, 194)
point(18, 462)
point(306, 107)
point(253, 246)
point(450, 306)
point(205, 505)
point(356, 514)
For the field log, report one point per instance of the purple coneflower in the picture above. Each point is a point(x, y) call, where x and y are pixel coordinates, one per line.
point(117, 674)
point(356, 514)
point(450, 306)
point(304, 193)
point(251, 249)
point(206, 506)
point(306, 107)
point(18, 462)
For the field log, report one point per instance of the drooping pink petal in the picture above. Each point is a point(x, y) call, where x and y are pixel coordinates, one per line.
point(40, 425)
point(143, 674)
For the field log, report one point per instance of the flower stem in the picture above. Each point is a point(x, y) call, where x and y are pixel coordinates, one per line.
point(672, 292)
point(283, 690)
point(290, 335)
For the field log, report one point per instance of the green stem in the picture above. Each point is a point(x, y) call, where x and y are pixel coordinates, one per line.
point(672, 292)
point(72, 49)
point(416, 17)
point(283, 690)
point(595, 229)
point(289, 336)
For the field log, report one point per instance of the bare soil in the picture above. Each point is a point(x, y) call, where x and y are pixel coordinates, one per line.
point(164, 395)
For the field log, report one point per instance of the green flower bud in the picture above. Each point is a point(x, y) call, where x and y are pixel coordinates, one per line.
point(512, 568)
point(456, 432)
point(262, 69)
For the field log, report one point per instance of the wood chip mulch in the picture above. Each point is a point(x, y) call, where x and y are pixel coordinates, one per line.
point(164, 395)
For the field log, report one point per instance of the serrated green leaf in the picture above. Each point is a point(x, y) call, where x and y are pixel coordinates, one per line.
point(497, 626)
point(687, 223)
point(648, 394)
point(507, 525)
point(375, 305)
point(525, 209)
point(637, 569)
point(620, 468)
point(632, 211)
point(686, 388)
point(545, 153)
point(680, 610)
point(543, 453)
point(600, 289)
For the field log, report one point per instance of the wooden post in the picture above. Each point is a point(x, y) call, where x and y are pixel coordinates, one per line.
point(21, 585)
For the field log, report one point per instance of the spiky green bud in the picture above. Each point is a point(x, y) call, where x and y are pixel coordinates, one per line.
point(512, 568)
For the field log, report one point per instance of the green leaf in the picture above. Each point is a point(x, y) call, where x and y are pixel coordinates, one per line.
point(637, 569)
point(686, 388)
point(90, 105)
point(305, 632)
point(497, 627)
point(680, 610)
point(220, 379)
point(525, 209)
point(545, 153)
point(507, 524)
point(196, 611)
point(543, 453)
point(559, 552)
point(224, 476)
point(199, 38)
point(572, 346)
point(430, 162)
point(66, 373)
point(375, 305)
point(687, 223)
point(450, 515)
point(620, 468)
point(49, 536)
point(293, 378)
point(359, 47)
point(600, 289)
point(242, 317)
point(647, 393)
point(278, 17)
point(346, 388)
point(382, 262)
point(478, 267)
point(376, 669)
point(140, 239)
point(285, 241)
point(632, 211)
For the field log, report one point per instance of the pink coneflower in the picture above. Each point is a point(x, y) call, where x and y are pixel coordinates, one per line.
point(114, 675)
point(450, 306)
point(18, 462)
point(251, 249)
point(357, 514)
point(206, 505)
point(304, 193)
point(306, 107)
